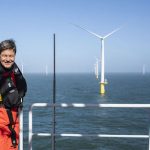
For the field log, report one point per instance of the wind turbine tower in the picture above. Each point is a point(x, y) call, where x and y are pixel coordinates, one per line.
point(143, 69)
point(46, 70)
point(102, 82)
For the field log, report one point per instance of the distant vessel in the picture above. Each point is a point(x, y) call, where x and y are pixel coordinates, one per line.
point(106, 82)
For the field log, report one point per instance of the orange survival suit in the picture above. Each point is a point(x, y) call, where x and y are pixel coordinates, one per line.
point(12, 89)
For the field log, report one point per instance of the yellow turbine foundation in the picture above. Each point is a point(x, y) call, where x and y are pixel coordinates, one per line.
point(102, 88)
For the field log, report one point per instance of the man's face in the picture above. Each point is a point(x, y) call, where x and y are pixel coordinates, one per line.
point(7, 58)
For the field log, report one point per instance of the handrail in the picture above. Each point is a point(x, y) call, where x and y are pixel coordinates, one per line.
point(91, 105)
point(81, 105)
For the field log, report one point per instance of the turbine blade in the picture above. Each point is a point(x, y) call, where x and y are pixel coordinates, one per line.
point(112, 32)
point(88, 31)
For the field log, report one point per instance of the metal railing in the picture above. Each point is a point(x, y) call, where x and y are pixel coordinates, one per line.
point(81, 105)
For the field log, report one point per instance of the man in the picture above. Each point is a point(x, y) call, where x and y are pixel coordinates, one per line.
point(12, 89)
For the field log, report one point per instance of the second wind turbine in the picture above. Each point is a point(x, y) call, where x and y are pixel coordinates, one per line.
point(102, 82)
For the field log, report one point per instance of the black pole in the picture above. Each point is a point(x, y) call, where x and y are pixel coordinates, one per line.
point(54, 100)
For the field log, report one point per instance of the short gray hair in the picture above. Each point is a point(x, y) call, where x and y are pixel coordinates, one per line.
point(8, 44)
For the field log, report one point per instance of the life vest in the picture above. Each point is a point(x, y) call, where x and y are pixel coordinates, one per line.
point(9, 92)
point(12, 87)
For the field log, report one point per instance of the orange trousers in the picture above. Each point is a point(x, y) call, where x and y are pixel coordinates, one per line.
point(5, 139)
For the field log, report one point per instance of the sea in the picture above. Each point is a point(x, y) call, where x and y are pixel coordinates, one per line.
point(122, 88)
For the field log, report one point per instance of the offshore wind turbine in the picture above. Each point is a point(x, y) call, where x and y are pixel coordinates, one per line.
point(22, 68)
point(46, 70)
point(143, 69)
point(102, 82)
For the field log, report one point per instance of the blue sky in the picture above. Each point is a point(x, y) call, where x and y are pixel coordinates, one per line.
point(32, 23)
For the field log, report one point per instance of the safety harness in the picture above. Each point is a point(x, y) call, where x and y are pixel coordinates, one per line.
point(11, 128)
